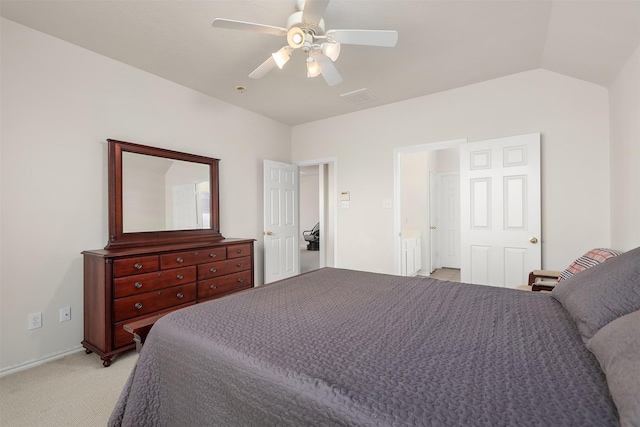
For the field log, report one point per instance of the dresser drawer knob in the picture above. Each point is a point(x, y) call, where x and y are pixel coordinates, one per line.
point(212, 255)
point(138, 305)
point(180, 295)
point(179, 259)
point(138, 285)
point(240, 280)
point(180, 277)
point(137, 266)
point(212, 270)
point(212, 287)
point(239, 264)
point(239, 251)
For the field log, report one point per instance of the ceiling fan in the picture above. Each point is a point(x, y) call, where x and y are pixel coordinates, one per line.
point(305, 31)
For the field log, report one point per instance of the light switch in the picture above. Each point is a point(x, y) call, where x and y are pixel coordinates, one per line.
point(386, 204)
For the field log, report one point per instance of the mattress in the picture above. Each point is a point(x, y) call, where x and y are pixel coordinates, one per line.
point(338, 347)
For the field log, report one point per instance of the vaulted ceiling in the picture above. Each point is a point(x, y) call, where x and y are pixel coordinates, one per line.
point(441, 45)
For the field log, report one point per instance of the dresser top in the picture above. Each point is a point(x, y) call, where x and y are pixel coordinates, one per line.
point(140, 250)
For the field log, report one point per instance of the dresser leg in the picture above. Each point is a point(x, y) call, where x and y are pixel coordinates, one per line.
point(106, 361)
point(86, 350)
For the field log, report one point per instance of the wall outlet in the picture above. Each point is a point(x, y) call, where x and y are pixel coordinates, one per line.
point(65, 314)
point(35, 321)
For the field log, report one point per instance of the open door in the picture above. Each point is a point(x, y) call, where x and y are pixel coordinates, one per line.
point(281, 216)
point(500, 210)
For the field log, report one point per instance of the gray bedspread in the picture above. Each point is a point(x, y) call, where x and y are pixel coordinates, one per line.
point(341, 347)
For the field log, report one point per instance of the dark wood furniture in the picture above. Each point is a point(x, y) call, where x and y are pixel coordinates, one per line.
point(165, 250)
point(126, 285)
point(543, 280)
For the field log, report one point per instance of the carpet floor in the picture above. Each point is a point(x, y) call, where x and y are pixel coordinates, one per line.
point(75, 390)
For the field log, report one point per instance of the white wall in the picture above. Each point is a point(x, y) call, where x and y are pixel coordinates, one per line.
point(624, 102)
point(572, 115)
point(59, 104)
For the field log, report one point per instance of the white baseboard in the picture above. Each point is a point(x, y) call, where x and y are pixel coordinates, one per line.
point(31, 364)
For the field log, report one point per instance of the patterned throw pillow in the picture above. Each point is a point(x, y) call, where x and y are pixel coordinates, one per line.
point(588, 260)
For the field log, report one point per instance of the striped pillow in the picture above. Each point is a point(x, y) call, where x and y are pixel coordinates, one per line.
point(588, 260)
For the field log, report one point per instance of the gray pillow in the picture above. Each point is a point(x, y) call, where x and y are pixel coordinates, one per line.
point(617, 347)
point(602, 293)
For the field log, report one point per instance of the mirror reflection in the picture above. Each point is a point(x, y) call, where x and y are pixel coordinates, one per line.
point(160, 194)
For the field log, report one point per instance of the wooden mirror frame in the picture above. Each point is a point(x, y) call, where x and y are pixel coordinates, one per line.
point(118, 239)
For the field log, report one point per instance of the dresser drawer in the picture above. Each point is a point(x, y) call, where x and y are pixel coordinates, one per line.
point(237, 251)
point(220, 268)
point(138, 305)
point(181, 259)
point(136, 265)
point(141, 283)
point(224, 284)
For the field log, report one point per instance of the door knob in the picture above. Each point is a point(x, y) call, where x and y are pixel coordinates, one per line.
point(268, 233)
point(533, 240)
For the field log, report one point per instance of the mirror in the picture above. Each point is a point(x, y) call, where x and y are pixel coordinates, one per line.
point(160, 196)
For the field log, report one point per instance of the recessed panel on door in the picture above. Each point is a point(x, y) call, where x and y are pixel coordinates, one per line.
point(481, 203)
point(515, 202)
point(515, 265)
point(480, 264)
point(514, 156)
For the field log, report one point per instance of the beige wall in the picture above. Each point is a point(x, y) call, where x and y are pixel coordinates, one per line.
point(572, 116)
point(59, 104)
point(625, 155)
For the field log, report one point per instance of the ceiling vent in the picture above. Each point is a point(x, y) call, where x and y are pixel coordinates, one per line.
point(359, 96)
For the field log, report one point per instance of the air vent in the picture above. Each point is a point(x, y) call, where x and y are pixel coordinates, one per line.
point(359, 96)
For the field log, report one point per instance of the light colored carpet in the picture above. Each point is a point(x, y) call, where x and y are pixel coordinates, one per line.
point(75, 390)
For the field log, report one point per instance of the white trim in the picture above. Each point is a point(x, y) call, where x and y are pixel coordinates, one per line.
point(32, 364)
point(397, 187)
point(334, 161)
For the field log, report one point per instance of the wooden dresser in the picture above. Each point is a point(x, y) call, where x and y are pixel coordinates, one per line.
point(127, 284)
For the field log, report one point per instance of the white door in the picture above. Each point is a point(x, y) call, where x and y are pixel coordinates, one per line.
point(449, 220)
point(281, 215)
point(500, 210)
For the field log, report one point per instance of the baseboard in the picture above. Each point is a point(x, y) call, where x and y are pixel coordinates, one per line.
point(31, 364)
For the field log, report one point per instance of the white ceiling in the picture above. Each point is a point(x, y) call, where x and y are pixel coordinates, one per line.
point(441, 45)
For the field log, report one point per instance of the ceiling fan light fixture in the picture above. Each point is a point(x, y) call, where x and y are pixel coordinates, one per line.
point(332, 50)
point(295, 37)
point(282, 56)
point(313, 68)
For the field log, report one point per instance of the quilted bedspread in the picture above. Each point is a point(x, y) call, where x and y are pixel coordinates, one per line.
point(349, 348)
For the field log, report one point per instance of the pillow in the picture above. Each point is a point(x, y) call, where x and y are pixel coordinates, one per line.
point(617, 348)
point(588, 260)
point(602, 293)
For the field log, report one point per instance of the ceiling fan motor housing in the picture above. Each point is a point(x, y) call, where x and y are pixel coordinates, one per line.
point(295, 20)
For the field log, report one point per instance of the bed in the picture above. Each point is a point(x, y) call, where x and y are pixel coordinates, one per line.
point(351, 348)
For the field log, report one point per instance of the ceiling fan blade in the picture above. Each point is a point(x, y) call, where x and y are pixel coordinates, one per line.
point(313, 11)
point(248, 26)
point(263, 68)
point(328, 70)
point(383, 38)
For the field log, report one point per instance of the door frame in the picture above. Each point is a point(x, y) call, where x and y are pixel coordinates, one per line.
point(397, 189)
point(333, 214)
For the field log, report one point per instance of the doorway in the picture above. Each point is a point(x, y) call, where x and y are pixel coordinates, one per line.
point(419, 202)
point(318, 207)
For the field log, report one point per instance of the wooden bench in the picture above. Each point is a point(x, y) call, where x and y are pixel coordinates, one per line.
point(140, 329)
